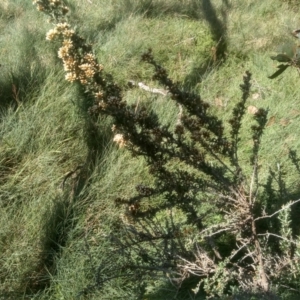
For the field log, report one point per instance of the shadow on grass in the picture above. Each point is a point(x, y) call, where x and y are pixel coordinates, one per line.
point(100, 25)
point(16, 85)
point(58, 220)
point(169, 291)
point(125, 9)
point(218, 25)
point(199, 10)
point(195, 9)
point(26, 75)
point(61, 219)
point(56, 229)
point(218, 28)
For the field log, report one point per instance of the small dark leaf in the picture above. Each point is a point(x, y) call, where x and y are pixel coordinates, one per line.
point(281, 68)
point(281, 58)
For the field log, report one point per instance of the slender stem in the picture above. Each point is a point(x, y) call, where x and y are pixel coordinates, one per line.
point(264, 283)
point(278, 211)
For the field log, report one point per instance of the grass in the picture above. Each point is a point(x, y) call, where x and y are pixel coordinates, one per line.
point(45, 133)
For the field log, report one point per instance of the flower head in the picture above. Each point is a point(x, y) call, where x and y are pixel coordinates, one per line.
point(119, 139)
point(88, 70)
point(51, 34)
point(71, 76)
point(99, 95)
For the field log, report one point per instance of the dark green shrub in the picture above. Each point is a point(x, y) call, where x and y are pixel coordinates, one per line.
point(203, 219)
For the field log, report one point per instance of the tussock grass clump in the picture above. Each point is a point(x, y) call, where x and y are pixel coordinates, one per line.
point(61, 172)
point(33, 160)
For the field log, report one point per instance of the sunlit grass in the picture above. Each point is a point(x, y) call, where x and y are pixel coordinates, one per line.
point(43, 129)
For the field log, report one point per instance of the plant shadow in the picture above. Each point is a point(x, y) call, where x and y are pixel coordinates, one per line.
point(19, 81)
point(218, 27)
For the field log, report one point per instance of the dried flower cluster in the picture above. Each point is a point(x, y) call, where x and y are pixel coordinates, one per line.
point(119, 139)
point(61, 29)
point(53, 8)
point(81, 67)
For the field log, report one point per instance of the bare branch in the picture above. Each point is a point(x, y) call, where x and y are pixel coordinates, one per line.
point(278, 211)
point(203, 266)
point(253, 179)
point(238, 250)
point(278, 236)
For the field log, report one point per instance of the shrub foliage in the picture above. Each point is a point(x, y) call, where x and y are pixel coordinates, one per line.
point(205, 216)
